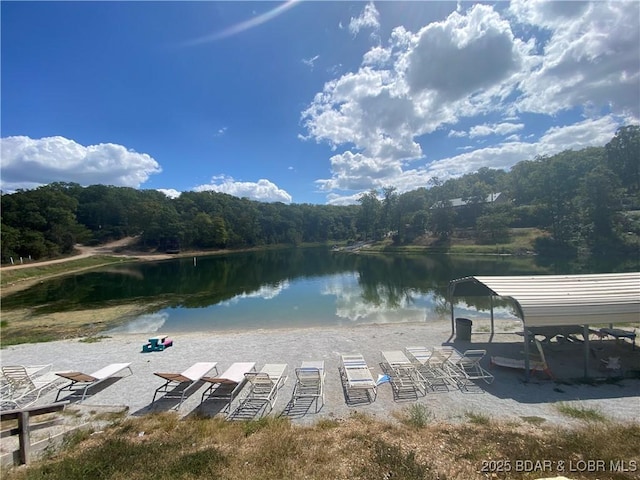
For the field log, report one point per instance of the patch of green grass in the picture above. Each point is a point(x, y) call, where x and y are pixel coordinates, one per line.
point(76, 437)
point(361, 417)
point(478, 418)
point(111, 417)
point(254, 426)
point(93, 338)
point(521, 240)
point(392, 462)
point(21, 274)
point(358, 448)
point(327, 424)
point(533, 420)
point(71, 412)
point(204, 463)
point(417, 415)
point(70, 441)
point(581, 412)
point(28, 337)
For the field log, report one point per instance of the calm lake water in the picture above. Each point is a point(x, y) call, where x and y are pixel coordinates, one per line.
point(302, 287)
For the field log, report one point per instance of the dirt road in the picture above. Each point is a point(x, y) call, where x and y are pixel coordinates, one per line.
point(112, 248)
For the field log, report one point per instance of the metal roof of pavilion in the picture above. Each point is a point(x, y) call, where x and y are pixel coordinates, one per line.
point(548, 300)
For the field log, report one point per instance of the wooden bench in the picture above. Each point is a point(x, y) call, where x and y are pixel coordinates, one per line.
point(24, 427)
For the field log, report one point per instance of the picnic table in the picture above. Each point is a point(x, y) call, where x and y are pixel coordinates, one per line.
point(157, 343)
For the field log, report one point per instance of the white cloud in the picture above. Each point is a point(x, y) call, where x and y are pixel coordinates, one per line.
point(591, 58)
point(367, 110)
point(504, 128)
point(545, 13)
point(262, 190)
point(457, 134)
point(588, 133)
point(358, 172)
point(241, 27)
point(369, 18)
point(486, 129)
point(463, 54)
point(580, 58)
point(381, 111)
point(147, 323)
point(265, 292)
point(352, 307)
point(335, 199)
point(170, 192)
point(29, 163)
point(309, 62)
point(221, 131)
point(377, 57)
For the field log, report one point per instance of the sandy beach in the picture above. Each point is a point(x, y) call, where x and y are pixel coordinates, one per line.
point(508, 397)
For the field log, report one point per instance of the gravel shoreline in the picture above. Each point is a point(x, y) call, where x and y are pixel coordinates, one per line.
point(507, 398)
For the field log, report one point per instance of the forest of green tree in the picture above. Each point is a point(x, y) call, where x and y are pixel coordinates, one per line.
point(583, 200)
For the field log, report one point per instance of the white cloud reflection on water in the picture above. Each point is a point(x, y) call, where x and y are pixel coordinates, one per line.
point(266, 292)
point(352, 305)
point(305, 302)
point(147, 323)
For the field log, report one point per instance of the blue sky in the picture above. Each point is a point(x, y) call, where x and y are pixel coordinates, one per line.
point(306, 102)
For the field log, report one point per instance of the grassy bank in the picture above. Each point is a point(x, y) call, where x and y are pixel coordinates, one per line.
point(521, 241)
point(25, 276)
point(21, 326)
point(359, 447)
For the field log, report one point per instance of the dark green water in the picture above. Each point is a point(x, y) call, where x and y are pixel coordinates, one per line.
point(282, 288)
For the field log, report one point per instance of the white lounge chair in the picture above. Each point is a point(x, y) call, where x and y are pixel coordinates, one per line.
point(356, 376)
point(227, 386)
point(440, 371)
point(418, 355)
point(405, 378)
point(32, 371)
point(82, 381)
point(468, 364)
point(25, 384)
point(310, 382)
point(265, 384)
point(181, 383)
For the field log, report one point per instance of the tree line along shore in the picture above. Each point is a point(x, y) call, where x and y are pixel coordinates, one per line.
point(577, 202)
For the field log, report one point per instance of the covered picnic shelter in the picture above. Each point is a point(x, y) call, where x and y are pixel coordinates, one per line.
point(558, 300)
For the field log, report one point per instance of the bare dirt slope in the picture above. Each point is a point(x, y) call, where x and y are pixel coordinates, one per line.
point(116, 248)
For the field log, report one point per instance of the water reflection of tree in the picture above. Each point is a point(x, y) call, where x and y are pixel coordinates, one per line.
point(184, 282)
point(389, 281)
point(393, 280)
point(386, 280)
point(484, 304)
